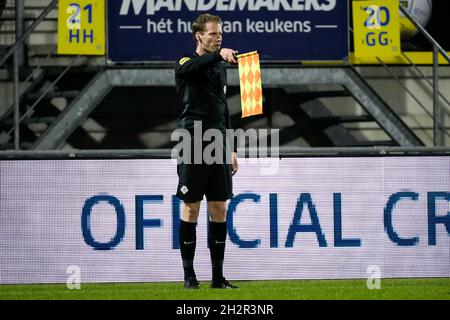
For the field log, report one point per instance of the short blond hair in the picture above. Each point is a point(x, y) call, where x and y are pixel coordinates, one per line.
point(199, 25)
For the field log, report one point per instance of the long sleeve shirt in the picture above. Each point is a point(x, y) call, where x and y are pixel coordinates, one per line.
point(201, 88)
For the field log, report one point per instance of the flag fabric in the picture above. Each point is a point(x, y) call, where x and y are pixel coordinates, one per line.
point(250, 83)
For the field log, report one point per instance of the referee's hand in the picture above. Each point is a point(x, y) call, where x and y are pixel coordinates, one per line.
point(228, 55)
point(234, 163)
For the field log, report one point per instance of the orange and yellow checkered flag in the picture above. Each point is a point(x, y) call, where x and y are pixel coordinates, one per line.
point(250, 83)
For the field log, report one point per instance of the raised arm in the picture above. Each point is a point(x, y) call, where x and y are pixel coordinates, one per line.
point(188, 65)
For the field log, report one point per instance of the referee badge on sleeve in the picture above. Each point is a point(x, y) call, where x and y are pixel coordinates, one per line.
point(184, 189)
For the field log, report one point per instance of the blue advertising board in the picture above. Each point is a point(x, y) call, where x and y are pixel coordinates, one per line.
point(282, 30)
point(117, 220)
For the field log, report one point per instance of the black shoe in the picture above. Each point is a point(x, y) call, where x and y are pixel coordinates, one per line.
point(191, 283)
point(222, 284)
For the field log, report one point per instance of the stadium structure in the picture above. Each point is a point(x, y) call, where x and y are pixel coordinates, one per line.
point(362, 179)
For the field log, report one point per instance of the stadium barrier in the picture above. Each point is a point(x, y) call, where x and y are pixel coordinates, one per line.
point(113, 216)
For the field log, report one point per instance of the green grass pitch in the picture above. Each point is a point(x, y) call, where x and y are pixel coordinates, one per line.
point(402, 289)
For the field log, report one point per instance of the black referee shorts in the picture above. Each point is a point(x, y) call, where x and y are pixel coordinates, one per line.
point(198, 180)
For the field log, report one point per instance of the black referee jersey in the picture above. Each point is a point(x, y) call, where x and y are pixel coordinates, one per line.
point(201, 84)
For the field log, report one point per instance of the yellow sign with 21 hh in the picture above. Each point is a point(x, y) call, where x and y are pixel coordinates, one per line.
point(81, 27)
point(376, 28)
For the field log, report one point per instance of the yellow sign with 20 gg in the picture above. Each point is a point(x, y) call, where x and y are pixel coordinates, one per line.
point(376, 29)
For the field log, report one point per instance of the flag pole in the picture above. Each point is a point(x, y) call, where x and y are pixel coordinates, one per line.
point(243, 55)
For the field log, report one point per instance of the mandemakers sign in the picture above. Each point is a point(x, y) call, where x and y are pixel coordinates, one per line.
point(155, 30)
point(153, 6)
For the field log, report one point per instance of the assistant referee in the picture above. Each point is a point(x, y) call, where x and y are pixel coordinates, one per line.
point(201, 88)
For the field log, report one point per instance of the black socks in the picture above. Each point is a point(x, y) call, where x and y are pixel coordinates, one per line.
point(217, 235)
point(188, 237)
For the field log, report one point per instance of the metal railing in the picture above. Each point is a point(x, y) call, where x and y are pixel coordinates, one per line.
point(16, 50)
point(439, 128)
point(20, 38)
point(283, 152)
point(437, 122)
point(437, 111)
